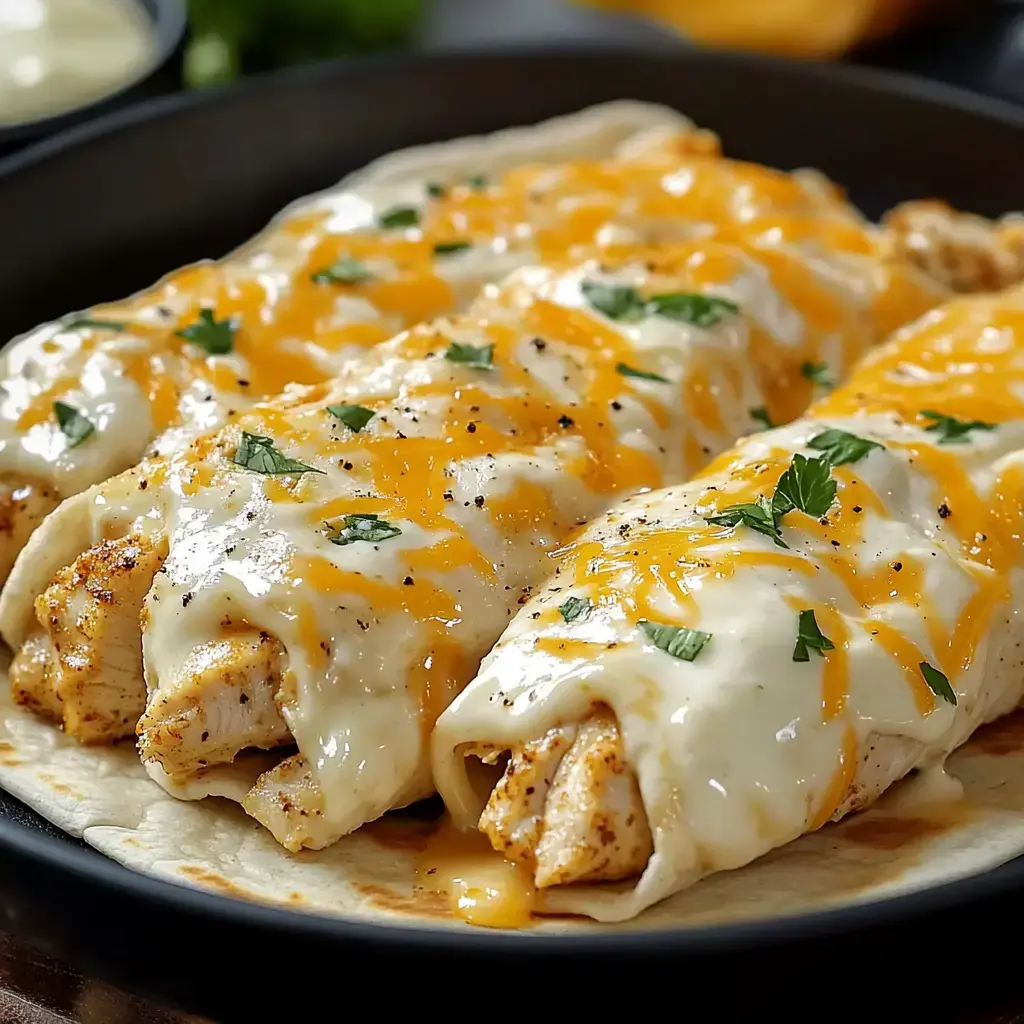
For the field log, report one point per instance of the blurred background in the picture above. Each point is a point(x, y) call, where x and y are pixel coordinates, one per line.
point(63, 61)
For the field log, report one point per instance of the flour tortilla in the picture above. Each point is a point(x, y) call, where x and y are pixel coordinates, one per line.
point(912, 840)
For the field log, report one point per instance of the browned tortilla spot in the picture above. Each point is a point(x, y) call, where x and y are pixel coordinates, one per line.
point(1001, 738)
point(420, 903)
point(895, 833)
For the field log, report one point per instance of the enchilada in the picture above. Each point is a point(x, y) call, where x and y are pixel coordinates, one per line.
point(719, 667)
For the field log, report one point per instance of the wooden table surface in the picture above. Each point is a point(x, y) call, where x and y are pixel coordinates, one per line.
point(36, 989)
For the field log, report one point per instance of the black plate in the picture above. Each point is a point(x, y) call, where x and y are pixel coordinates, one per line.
point(102, 211)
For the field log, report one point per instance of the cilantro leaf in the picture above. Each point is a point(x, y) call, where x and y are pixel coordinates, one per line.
point(447, 248)
point(399, 217)
point(215, 337)
point(74, 425)
point(355, 417)
point(760, 415)
point(436, 190)
point(628, 371)
point(818, 373)
point(755, 515)
point(807, 486)
point(367, 527)
point(622, 302)
point(475, 358)
point(840, 447)
point(678, 641)
point(343, 271)
point(478, 181)
point(692, 308)
point(574, 608)
point(953, 430)
point(615, 301)
point(810, 638)
point(78, 322)
point(258, 453)
point(938, 683)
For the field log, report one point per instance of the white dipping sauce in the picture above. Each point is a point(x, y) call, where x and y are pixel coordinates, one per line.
point(59, 54)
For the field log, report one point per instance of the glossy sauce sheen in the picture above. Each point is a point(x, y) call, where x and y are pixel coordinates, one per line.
point(143, 386)
point(744, 749)
point(484, 471)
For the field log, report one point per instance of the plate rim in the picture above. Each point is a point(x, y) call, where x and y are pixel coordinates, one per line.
point(81, 865)
point(857, 77)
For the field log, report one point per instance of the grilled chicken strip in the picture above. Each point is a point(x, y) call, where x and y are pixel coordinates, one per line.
point(383, 529)
point(223, 701)
point(569, 805)
point(24, 503)
point(824, 608)
point(87, 646)
point(965, 252)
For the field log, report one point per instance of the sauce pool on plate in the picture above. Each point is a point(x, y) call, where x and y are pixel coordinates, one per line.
point(56, 55)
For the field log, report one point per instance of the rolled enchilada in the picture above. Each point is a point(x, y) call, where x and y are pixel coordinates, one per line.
point(414, 236)
point(321, 577)
point(719, 667)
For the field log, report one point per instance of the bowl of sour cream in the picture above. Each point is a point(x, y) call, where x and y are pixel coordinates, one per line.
point(63, 62)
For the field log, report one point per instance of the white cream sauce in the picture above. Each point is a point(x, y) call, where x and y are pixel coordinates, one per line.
point(59, 54)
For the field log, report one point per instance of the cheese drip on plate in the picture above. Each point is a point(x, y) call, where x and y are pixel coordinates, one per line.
point(717, 668)
point(411, 238)
point(334, 564)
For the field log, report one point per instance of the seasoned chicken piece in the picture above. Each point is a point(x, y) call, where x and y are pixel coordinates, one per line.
point(220, 702)
point(571, 805)
point(90, 614)
point(289, 802)
point(965, 252)
point(33, 676)
point(514, 817)
point(23, 506)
